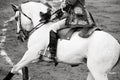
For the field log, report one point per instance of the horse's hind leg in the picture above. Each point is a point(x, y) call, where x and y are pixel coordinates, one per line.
point(98, 71)
point(100, 76)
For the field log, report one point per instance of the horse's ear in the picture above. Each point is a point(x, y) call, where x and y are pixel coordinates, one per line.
point(15, 7)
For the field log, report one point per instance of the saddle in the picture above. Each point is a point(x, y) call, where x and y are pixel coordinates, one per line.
point(64, 34)
point(83, 32)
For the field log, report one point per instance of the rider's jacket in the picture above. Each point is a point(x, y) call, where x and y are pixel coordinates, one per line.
point(77, 15)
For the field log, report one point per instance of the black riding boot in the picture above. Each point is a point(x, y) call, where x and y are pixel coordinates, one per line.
point(53, 44)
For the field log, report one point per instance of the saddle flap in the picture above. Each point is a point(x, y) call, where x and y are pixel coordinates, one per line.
point(66, 33)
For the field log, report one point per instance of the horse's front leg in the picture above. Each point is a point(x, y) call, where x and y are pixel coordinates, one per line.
point(31, 55)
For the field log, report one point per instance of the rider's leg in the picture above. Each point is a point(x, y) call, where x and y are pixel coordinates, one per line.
point(53, 37)
point(53, 44)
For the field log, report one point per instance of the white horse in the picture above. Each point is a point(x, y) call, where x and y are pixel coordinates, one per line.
point(101, 50)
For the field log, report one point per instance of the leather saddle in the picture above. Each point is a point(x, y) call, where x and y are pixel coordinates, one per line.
point(83, 32)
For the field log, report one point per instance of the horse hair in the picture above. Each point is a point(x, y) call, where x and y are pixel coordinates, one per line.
point(30, 1)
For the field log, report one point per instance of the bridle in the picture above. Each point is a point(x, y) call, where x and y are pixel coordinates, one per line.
point(23, 34)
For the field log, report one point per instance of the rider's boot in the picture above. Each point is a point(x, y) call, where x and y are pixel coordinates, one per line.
point(53, 45)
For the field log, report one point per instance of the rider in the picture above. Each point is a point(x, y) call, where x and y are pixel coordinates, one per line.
point(77, 16)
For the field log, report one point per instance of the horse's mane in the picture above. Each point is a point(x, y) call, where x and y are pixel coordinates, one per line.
point(23, 2)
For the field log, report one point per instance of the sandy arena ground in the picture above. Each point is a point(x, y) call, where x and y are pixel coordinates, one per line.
point(106, 14)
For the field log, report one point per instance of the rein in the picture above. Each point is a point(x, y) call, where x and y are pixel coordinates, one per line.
point(36, 27)
point(25, 33)
point(20, 10)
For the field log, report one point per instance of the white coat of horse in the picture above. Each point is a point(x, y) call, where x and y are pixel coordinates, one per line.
point(101, 49)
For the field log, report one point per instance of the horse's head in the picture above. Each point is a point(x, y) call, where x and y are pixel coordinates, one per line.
point(22, 21)
point(27, 17)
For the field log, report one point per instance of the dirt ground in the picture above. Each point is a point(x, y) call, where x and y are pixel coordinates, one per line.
point(107, 16)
